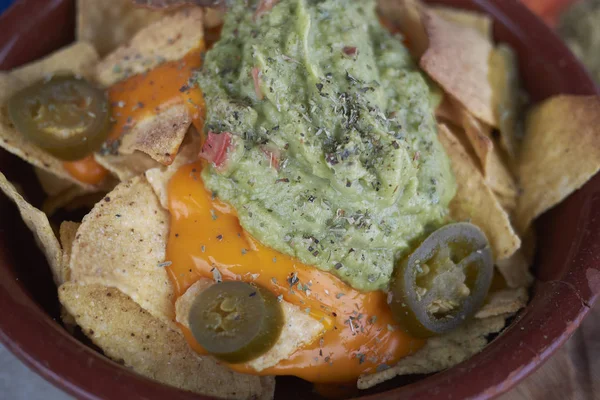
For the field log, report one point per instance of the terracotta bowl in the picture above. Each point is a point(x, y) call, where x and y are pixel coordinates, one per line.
point(567, 265)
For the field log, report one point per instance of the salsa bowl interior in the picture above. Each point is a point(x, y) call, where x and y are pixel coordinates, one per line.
point(566, 266)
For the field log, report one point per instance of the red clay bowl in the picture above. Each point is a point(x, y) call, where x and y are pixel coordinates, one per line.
point(567, 264)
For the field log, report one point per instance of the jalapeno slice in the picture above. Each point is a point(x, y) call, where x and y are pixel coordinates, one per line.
point(236, 321)
point(64, 115)
point(443, 282)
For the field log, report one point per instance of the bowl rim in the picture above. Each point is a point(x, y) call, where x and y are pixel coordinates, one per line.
point(65, 362)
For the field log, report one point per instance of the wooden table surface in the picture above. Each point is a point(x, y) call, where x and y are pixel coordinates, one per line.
point(572, 373)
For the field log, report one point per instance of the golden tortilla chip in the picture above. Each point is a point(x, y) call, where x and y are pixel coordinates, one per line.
point(168, 39)
point(38, 224)
point(60, 191)
point(68, 230)
point(183, 305)
point(407, 15)
point(213, 17)
point(52, 184)
point(86, 201)
point(560, 153)
point(441, 352)
point(446, 112)
point(454, 48)
point(482, 23)
point(509, 203)
point(58, 201)
point(76, 59)
point(502, 302)
point(495, 171)
point(129, 334)
point(125, 167)
point(173, 4)
point(515, 270)
point(158, 135)
point(457, 58)
point(159, 177)
point(477, 139)
point(74, 198)
point(475, 202)
point(64, 194)
point(122, 242)
point(299, 328)
point(504, 77)
point(108, 24)
point(528, 245)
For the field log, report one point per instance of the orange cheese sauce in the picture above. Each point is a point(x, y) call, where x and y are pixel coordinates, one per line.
point(86, 170)
point(135, 98)
point(141, 95)
point(206, 239)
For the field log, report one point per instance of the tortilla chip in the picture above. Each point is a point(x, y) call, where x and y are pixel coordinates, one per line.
point(108, 24)
point(213, 17)
point(446, 112)
point(125, 167)
point(299, 328)
point(173, 4)
point(52, 184)
point(54, 203)
point(441, 352)
point(486, 151)
point(453, 47)
point(38, 224)
point(482, 23)
point(183, 305)
point(77, 59)
point(502, 302)
point(528, 244)
point(60, 191)
point(475, 202)
point(168, 39)
point(158, 135)
point(73, 199)
point(130, 335)
point(159, 177)
point(122, 242)
point(407, 15)
point(504, 77)
point(458, 60)
point(515, 270)
point(495, 171)
point(85, 202)
point(68, 230)
point(560, 153)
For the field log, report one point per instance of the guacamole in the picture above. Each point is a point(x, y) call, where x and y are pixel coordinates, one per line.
point(334, 157)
